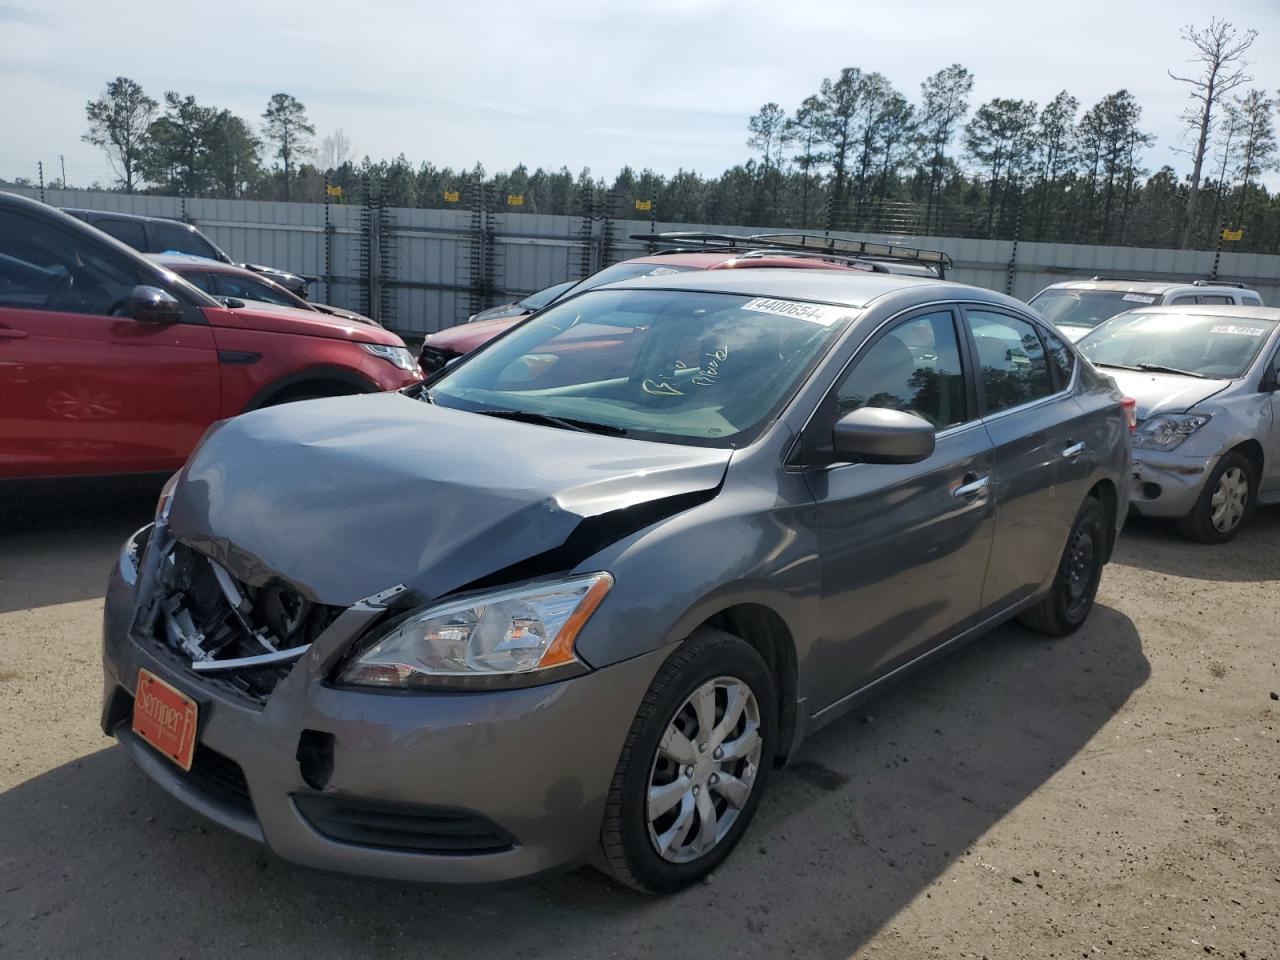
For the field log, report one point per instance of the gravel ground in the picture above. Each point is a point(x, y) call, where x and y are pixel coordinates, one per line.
point(1113, 794)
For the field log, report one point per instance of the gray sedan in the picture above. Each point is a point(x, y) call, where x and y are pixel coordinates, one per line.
point(1207, 449)
point(576, 597)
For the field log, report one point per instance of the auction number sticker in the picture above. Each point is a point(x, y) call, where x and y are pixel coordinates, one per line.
point(1236, 330)
point(811, 312)
point(1138, 298)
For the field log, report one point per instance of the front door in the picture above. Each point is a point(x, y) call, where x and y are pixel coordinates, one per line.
point(903, 548)
point(84, 390)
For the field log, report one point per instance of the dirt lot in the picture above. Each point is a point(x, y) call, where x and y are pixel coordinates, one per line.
point(1113, 794)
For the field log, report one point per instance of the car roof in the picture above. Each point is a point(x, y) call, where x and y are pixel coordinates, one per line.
point(851, 288)
point(117, 215)
point(177, 261)
point(1146, 286)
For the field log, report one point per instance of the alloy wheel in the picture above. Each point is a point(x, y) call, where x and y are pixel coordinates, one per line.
point(704, 770)
point(1230, 497)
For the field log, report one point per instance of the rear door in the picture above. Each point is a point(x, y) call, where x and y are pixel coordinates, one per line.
point(83, 389)
point(1041, 439)
point(902, 548)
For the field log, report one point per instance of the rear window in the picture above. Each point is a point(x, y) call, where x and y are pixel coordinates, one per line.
point(1066, 307)
point(126, 231)
point(170, 237)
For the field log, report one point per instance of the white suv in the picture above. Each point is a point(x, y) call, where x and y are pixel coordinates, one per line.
point(1077, 306)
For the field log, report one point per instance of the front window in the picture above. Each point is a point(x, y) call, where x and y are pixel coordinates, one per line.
point(1221, 348)
point(702, 368)
point(1087, 308)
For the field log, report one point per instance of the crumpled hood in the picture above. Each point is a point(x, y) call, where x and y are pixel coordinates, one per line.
point(1164, 392)
point(346, 497)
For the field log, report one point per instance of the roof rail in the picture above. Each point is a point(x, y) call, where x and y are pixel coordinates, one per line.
point(1193, 283)
point(1130, 279)
point(1220, 283)
point(864, 252)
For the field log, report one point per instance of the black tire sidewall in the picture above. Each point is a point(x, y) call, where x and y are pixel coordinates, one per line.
point(1093, 515)
point(729, 657)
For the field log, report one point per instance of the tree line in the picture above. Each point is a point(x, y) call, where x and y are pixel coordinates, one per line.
point(858, 154)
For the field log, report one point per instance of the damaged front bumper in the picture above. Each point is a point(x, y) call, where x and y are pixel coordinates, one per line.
point(442, 787)
point(1165, 484)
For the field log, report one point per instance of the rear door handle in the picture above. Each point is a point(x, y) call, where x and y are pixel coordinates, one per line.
point(7, 333)
point(1073, 451)
point(972, 489)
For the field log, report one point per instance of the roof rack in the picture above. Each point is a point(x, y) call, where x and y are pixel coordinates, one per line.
point(1194, 283)
point(861, 252)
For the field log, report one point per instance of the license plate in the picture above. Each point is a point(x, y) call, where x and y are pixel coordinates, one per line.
point(165, 717)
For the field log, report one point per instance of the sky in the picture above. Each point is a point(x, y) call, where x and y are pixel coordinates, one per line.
point(666, 84)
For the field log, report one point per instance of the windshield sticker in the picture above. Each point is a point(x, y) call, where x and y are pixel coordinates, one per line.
point(661, 272)
point(1237, 331)
point(1138, 298)
point(811, 312)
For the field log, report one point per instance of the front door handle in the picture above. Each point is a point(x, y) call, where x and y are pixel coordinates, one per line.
point(8, 333)
point(1073, 451)
point(972, 489)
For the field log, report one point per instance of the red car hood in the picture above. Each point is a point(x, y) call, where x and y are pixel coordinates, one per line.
point(308, 323)
point(465, 337)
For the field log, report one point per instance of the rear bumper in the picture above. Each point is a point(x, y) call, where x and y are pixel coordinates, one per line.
point(533, 764)
point(1167, 485)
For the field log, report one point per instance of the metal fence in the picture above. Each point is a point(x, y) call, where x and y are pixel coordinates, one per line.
point(422, 270)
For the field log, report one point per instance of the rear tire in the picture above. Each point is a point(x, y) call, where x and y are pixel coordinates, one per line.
point(1071, 597)
point(1226, 502)
point(690, 776)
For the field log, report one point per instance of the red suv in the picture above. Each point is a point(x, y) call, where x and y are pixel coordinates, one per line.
point(111, 364)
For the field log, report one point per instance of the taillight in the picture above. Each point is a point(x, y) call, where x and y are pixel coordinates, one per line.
point(1130, 408)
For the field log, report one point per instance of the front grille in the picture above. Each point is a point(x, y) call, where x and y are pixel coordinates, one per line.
point(199, 618)
point(221, 778)
point(398, 826)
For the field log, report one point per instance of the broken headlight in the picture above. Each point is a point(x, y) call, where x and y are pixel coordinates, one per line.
point(1165, 432)
point(508, 638)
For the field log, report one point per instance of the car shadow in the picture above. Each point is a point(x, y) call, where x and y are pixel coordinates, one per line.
point(1252, 557)
point(866, 819)
point(58, 538)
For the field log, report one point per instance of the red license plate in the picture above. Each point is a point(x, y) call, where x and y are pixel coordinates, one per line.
point(165, 717)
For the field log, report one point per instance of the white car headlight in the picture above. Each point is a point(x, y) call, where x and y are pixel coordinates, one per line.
point(399, 356)
point(1165, 432)
point(509, 638)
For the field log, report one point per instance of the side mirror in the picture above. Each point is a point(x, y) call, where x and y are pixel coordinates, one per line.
point(152, 305)
point(875, 435)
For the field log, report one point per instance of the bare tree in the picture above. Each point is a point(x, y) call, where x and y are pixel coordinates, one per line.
point(1220, 50)
point(119, 123)
point(335, 149)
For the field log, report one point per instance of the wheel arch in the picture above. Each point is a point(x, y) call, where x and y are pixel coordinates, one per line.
point(328, 379)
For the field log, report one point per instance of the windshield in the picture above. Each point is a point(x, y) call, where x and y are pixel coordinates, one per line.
point(1219, 347)
point(703, 368)
point(629, 270)
point(1086, 308)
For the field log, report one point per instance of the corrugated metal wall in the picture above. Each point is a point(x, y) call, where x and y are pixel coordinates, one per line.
point(427, 273)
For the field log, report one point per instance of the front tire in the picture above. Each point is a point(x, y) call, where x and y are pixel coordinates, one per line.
point(1071, 597)
point(1225, 503)
point(693, 767)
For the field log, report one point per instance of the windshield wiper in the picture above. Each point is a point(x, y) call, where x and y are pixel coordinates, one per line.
point(1161, 368)
point(564, 423)
point(1115, 366)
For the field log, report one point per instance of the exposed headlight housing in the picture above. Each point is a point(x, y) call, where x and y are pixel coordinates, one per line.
point(516, 637)
point(398, 356)
point(1167, 431)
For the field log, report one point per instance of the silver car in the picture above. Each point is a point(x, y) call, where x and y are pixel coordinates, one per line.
point(1075, 307)
point(1207, 447)
point(575, 597)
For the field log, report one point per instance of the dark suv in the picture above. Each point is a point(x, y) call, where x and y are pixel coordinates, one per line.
point(160, 235)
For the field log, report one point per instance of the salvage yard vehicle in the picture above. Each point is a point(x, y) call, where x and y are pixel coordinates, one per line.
point(226, 280)
point(1077, 306)
point(688, 251)
point(508, 620)
point(162, 235)
point(110, 364)
point(525, 305)
point(1205, 378)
